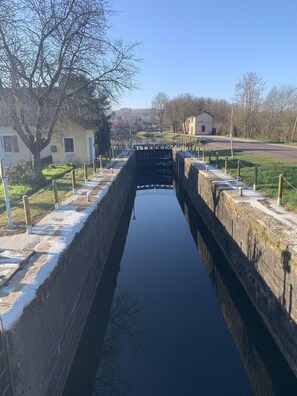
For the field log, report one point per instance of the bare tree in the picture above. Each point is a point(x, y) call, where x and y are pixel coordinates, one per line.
point(171, 114)
point(279, 112)
point(44, 46)
point(248, 94)
point(158, 108)
point(187, 108)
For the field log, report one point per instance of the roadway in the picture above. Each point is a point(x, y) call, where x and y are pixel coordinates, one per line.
point(279, 152)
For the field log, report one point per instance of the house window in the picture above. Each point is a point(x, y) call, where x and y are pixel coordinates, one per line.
point(69, 145)
point(203, 128)
point(10, 144)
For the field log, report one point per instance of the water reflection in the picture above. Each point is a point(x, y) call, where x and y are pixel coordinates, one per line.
point(267, 369)
point(93, 346)
point(155, 327)
point(184, 338)
point(124, 328)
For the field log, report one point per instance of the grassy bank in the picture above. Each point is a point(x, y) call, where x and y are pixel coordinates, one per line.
point(268, 175)
point(168, 135)
point(41, 199)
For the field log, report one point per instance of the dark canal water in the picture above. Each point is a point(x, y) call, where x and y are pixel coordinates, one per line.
point(169, 317)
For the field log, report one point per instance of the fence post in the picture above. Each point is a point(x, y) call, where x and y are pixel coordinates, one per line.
point(255, 178)
point(86, 173)
point(203, 154)
point(238, 170)
point(280, 190)
point(73, 181)
point(112, 151)
point(226, 165)
point(198, 154)
point(94, 166)
point(217, 160)
point(6, 197)
point(56, 198)
point(209, 157)
point(27, 214)
point(100, 162)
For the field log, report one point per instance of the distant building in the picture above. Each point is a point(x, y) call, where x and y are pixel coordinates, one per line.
point(201, 124)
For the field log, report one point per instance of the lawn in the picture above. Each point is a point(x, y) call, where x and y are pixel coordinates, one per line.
point(170, 136)
point(268, 174)
point(41, 199)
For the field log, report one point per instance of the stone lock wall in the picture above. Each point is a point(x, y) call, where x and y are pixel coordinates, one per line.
point(257, 254)
point(43, 341)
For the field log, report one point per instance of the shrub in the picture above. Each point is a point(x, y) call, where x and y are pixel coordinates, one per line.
point(23, 173)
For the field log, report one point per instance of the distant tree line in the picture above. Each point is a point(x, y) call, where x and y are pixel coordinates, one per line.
point(254, 115)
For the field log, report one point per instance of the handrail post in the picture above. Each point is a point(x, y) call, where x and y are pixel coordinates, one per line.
point(94, 166)
point(27, 214)
point(217, 160)
point(280, 190)
point(73, 181)
point(255, 178)
point(6, 197)
point(86, 173)
point(226, 165)
point(238, 170)
point(56, 197)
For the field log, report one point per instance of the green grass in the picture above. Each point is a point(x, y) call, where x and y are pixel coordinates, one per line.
point(41, 201)
point(268, 175)
point(169, 135)
point(55, 171)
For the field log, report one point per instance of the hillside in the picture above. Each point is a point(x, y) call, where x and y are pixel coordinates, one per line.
point(132, 114)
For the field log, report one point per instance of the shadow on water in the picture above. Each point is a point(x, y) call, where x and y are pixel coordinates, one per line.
point(93, 345)
point(267, 369)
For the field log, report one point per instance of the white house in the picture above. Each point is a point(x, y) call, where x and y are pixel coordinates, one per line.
point(201, 124)
point(12, 148)
point(73, 143)
point(70, 143)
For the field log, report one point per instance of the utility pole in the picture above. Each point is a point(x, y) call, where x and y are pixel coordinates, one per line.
point(231, 130)
point(294, 129)
point(5, 188)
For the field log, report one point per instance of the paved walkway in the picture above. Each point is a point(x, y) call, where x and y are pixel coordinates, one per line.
point(26, 260)
point(278, 218)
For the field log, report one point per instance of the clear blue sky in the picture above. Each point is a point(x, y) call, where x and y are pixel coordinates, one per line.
point(204, 47)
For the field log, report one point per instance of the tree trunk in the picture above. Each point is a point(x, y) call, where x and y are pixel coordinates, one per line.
point(36, 159)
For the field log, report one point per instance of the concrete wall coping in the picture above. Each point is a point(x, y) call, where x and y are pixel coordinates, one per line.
point(49, 238)
point(279, 221)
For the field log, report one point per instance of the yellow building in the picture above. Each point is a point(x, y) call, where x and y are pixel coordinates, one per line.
point(72, 143)
point(201, 124)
